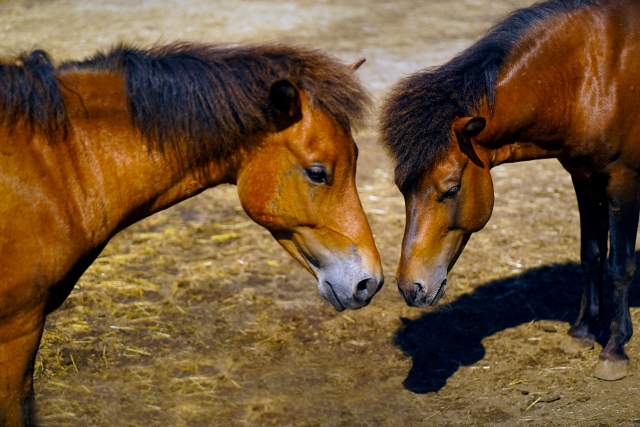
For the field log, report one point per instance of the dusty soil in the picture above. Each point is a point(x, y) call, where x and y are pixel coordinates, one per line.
point(170, 327)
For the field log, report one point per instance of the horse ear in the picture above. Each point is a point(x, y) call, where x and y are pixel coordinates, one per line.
point(285, 97)
point(474, 126)
point(357, 64)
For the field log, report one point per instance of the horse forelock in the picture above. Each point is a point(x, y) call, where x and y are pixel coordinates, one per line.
point(198, 100)
point(417, 115)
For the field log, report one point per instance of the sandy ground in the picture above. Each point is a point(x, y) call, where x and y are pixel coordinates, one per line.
point(170, 328)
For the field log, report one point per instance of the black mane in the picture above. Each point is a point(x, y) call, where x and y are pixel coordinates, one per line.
point(29, 94)
point(192, 100)
point(204, 100)
point(416, 117)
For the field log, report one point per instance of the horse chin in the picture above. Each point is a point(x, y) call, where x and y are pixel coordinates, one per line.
point(328, 292)
point(441, 290)
point(433, 294)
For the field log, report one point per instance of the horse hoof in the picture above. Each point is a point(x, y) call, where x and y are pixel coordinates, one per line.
point(576, 345)
point(611, 370)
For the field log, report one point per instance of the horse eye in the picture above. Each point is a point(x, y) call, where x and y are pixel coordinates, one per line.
point(451, 193)
point(317, 174)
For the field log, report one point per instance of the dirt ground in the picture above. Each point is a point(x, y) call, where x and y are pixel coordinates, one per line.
point(176, 326)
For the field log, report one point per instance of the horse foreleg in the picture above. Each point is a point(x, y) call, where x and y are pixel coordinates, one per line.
point(594, 230)
point(19, 340)
point(623, 195)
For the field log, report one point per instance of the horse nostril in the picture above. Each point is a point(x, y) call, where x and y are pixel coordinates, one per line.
point(413, 291)
point(362, 290)
point(363, 285)
point(416, 288)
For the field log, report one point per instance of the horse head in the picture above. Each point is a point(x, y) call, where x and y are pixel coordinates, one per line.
point(452, 199)
point(299, 183)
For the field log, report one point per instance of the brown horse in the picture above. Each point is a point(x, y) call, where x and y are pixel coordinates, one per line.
point(559, 79)
point(89, 148)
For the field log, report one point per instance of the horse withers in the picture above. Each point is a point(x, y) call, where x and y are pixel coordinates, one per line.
point(89, 148)
point(555, 80)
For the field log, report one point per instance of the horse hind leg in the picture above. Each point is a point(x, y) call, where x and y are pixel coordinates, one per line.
point(624, 211)
point(594, 230)
point(19, 342)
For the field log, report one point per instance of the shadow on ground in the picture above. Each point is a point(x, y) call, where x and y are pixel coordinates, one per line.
point(441, 341)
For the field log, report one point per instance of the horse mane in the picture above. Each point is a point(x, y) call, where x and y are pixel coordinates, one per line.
point(29, 94)
point(417, 115)
point(193, 100)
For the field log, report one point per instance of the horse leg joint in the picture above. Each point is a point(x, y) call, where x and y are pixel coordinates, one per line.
point(622, 275)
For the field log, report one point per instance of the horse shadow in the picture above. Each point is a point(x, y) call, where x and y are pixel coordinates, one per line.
point(441, 341)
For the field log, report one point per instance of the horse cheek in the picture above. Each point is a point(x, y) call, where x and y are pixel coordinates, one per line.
point(258, 193)
point(477, 207)
point(485, 199)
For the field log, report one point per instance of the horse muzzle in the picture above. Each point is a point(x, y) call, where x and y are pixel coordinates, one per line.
point(348, 278)
point(416, 294)
point(349, 287)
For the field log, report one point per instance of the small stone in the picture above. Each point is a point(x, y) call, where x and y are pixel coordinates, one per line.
point(547, 398)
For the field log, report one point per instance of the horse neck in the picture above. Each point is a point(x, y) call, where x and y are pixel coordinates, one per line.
point(533, 97)
point(517, 152)
point(120, 179)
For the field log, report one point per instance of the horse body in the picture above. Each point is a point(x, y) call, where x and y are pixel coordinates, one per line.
point(66, 192)
point(564, 89)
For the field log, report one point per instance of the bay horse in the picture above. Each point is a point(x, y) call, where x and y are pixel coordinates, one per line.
point(559, 79)
point(90, 147)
